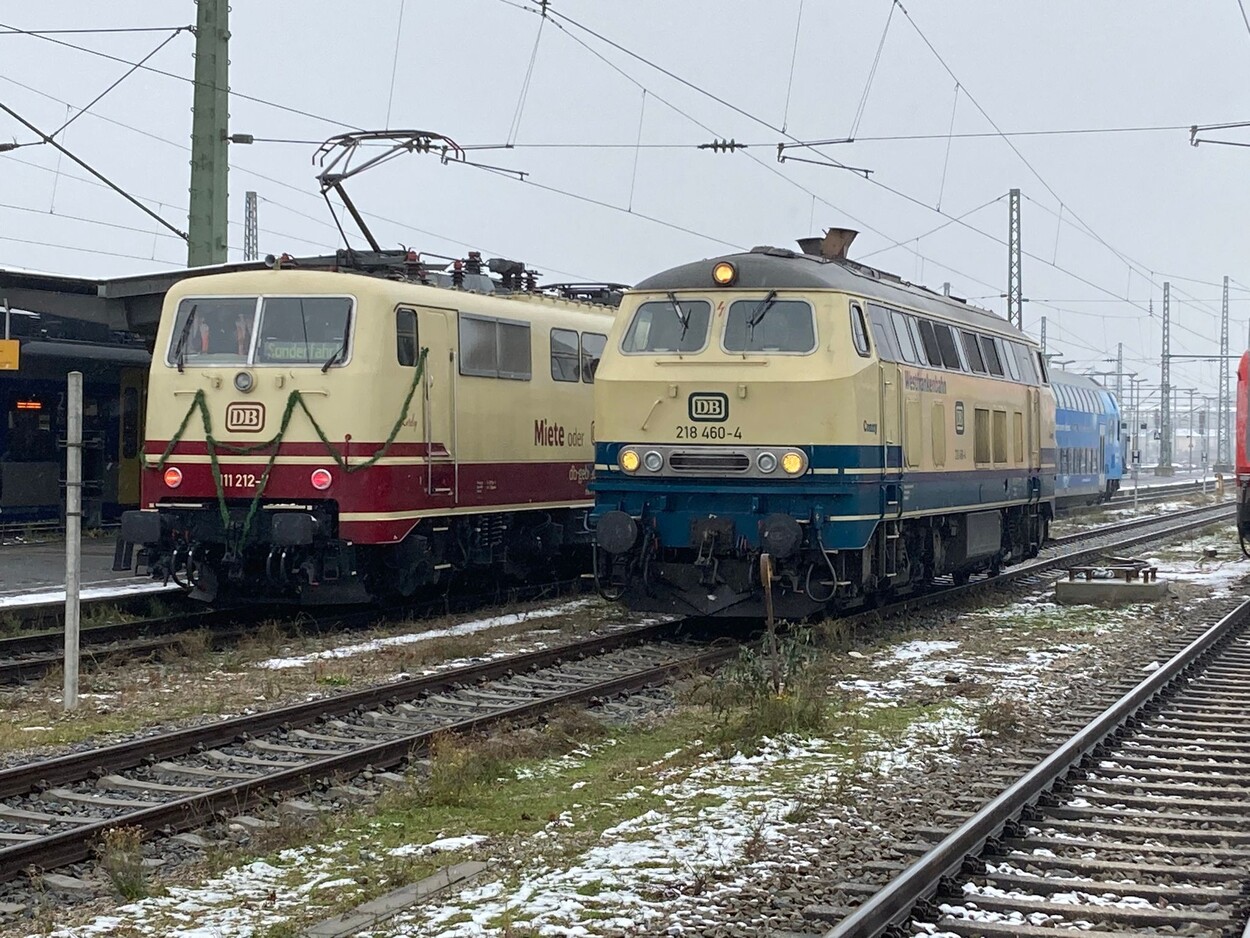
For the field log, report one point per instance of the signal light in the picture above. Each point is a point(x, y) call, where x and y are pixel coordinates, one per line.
point(173, 477)
point(724, 274)
point(321, 479)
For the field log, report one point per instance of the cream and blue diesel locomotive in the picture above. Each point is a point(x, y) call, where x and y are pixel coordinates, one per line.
point(867, 434)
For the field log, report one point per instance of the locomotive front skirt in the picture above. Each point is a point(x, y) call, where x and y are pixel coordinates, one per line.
point(866, 434)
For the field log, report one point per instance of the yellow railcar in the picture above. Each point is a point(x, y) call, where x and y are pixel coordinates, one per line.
point(329, 436)
point(867, 434)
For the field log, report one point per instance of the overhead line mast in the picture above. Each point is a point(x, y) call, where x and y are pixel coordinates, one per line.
point(206, 220)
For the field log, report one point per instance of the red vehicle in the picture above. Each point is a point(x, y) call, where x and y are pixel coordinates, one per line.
point(1243, 457)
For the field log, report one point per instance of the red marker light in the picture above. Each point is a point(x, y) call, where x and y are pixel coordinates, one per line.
point(173, 477)
point(321, 479)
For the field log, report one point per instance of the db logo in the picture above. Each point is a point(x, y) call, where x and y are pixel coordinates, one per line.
point(245, 417)
point(709, 406)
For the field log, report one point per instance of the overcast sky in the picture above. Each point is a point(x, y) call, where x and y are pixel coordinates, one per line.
point(1107, 216)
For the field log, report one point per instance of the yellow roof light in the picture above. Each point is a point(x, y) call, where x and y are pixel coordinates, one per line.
point(724, 273)
point(629, 460)
point(792, 463)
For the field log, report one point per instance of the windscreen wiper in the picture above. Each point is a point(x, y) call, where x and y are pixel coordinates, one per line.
point(683, 318)
point(180, 350)
point(761, 310)
point(341, 351)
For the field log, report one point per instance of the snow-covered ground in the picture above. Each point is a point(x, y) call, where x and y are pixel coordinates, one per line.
point(664, 870)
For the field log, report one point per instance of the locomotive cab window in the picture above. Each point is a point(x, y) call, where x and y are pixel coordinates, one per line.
point(669, 326)
point(406, 337)
point(883, 334)
point(212, 330)
point(772, 325)
point(859, 333)
point(565, 355)
point(303, 330)
point(592, 351)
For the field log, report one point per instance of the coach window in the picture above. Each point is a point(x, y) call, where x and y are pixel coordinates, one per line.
point(406, 337)
point(592, 350)
point(308, 330)
point(668, 326)
point(946, 346)
point(990, 349)
point(772, 325)
point(973, 352)
point(565, 355)
point(859, 331)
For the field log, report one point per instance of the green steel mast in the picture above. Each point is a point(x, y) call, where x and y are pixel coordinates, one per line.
point(206, 223)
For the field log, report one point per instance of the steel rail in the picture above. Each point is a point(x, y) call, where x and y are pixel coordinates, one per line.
point(894, 903)
point(184, 813)
point(19, 779)
point(1130, 523)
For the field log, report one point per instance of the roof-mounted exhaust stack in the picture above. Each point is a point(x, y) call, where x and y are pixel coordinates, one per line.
point(833, 246)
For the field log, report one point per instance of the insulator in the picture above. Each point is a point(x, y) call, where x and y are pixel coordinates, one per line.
point(457, 273)
point(474, 264)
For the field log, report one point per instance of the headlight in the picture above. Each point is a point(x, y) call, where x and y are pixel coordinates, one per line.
point(653, 461)
point(724, 273)
point(244, 381)
point(766, 462)
point(792, 463)
point(629, 460)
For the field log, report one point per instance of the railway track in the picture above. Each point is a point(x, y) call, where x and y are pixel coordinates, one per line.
point(1138, 822)
point(31, 655)
point(1146, 494)
point(52, 812)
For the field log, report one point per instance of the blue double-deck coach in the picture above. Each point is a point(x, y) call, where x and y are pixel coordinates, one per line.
point(1089, 454)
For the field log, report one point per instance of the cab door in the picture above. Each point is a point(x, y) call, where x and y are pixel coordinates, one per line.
point(436, 333)
point(132, 392)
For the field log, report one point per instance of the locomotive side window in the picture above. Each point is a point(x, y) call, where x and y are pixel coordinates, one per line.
point(593, 344)
point(406, 337)
point(990, 349)
point(980, 435)
point(565, 360)
point(212, 330)
point(903, 336)
point(1009, 359)
point(1000, 436)
point(494, 348)
point(946, 346)
point(973, 351)
point(304, 330)
point(859, 332)
point(1042, 369)
point(772, 325)
point(883, 334)
point(668, 326)
point(932, 353)
point(913, 326)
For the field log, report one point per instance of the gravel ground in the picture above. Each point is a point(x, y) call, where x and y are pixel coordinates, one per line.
point(753, 844)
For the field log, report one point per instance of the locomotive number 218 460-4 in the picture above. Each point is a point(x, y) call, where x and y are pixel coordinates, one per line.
point(716, 432)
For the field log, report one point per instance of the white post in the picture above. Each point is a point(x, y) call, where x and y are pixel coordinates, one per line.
point(73, 534)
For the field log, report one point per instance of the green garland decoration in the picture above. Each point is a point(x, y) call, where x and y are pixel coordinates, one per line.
point(294, 399)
